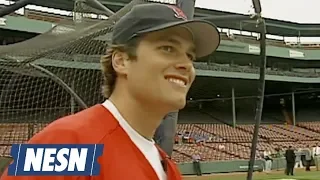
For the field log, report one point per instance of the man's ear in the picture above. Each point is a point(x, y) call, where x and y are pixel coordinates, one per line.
point(119, 62)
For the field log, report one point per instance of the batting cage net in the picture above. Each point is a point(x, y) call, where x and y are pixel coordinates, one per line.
point(53, 74)
point(58, 73)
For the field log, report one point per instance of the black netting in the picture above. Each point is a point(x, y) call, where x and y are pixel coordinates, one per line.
point(33, 74)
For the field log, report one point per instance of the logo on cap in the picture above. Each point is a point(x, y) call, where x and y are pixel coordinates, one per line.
point(178, 13)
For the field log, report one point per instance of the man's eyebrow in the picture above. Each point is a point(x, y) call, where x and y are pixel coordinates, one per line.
point(178, 43)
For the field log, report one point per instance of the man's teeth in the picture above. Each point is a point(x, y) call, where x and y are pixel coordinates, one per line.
point(177, 81)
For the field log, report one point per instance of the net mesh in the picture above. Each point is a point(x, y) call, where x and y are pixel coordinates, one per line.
point(33, 74)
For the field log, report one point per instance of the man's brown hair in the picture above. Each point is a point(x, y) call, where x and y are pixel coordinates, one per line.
point(108, 73)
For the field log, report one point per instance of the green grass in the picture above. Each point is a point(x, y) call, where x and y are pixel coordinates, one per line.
point(277, 175)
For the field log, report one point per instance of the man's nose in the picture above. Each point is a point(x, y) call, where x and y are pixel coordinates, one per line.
point(186, 66)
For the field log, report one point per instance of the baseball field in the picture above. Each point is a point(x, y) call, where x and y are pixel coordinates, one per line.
point(300, 174)
point(275, 175)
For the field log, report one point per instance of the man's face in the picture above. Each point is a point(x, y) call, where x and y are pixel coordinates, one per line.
point(163, 71)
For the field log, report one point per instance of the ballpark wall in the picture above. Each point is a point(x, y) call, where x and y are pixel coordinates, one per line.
point(220, 167)
point(230, 166)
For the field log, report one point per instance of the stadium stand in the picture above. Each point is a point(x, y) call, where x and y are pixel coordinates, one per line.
point(311, 126)
point(208, 131)
point(234, 143)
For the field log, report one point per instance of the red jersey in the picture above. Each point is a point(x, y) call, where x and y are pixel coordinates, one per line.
point(121, 158)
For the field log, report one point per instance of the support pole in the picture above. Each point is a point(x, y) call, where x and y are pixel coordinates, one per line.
point(77, 15)
point(72, 101)
point(164, 135)
point(234, 117)
point(293, 109)
point(263, 62)
point(77, 18)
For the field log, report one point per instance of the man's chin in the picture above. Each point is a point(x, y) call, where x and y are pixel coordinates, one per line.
point(178, 104)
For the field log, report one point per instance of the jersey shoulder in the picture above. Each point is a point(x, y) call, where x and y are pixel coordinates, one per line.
point(88, 126)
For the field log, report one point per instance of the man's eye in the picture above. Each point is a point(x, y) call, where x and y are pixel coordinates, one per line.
point(191, 57)
point(167, 48)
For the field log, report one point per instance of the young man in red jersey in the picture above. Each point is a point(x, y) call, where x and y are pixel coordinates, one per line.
point(148, 70)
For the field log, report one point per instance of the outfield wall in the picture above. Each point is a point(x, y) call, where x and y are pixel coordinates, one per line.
point(236, 166)
point(230, 166)
point(221, 167)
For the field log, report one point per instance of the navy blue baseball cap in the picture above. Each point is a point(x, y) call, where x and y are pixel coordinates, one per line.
point(146, 18)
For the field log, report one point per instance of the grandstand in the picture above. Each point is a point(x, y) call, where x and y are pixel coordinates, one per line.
point(221, 103)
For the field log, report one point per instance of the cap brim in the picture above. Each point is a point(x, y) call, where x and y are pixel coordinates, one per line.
point(205, 34)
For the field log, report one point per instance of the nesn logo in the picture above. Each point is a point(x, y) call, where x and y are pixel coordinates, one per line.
point(55, 159)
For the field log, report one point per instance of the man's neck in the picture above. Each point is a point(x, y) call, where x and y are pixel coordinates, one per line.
point(142, 118)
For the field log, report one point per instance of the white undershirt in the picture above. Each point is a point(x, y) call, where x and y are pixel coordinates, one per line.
point(148, 148)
